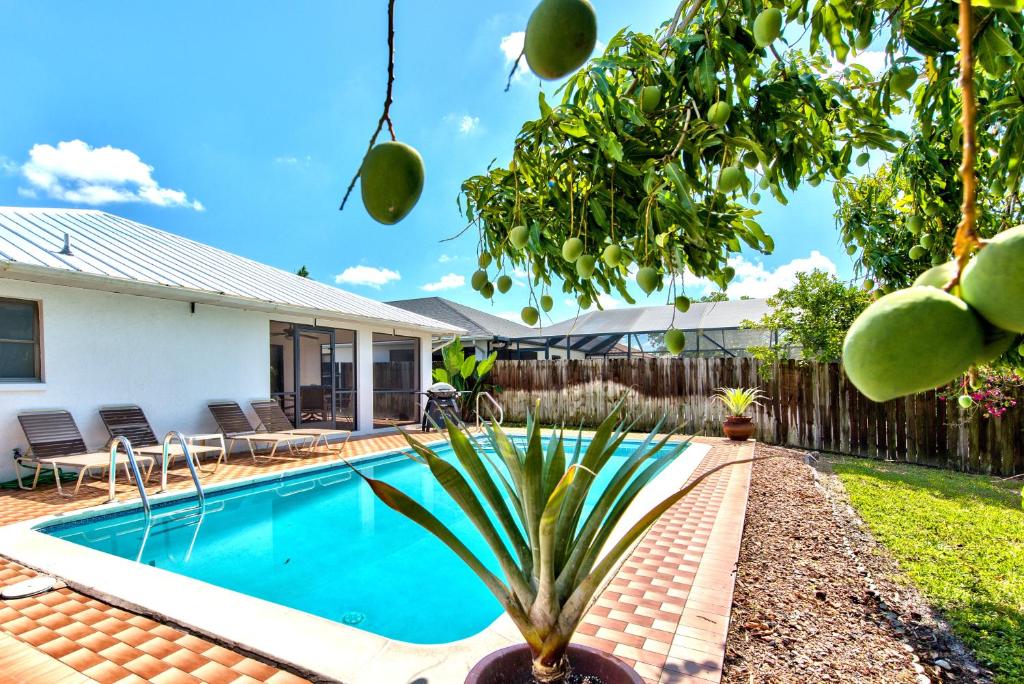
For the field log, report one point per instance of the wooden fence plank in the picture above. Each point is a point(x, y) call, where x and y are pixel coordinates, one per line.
point(808, 405)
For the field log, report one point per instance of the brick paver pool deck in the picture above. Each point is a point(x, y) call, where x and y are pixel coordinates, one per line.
point(666, 612)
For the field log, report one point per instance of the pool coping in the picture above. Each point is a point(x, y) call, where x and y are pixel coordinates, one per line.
point(307, 643)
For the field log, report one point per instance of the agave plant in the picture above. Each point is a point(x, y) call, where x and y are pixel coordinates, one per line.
point(528, 504)
point(737, 399)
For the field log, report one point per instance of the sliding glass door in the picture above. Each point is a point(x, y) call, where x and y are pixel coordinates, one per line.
point(312, 374)
point(396, 380)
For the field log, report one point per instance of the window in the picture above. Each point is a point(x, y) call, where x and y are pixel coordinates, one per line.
point(19, 341)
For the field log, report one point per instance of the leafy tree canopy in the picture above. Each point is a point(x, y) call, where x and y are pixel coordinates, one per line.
point(601, 166)
point(813, 315)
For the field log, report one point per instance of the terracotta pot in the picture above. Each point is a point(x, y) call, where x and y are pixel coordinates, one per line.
point(512, 665)
point(738, 428)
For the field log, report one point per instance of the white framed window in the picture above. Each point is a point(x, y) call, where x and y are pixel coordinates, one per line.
point(20, 352)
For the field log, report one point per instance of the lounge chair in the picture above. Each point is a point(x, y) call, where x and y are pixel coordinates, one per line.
point(129, 421)
point(235, 426)
point(273, 418)
point(54, 441)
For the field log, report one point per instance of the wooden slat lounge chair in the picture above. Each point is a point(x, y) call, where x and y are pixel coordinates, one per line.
point(54, 441)
point(129, 421)
point(235, 426)
point(273, 418)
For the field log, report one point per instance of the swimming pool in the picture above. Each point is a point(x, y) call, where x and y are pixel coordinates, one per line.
point(322, 543)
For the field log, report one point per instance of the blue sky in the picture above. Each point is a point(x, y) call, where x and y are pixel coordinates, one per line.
point(239, 124)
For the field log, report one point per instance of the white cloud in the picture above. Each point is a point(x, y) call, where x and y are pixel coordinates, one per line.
point(290, 160)
point(366, 275)
point(512, 46)
point(7, 166)
point(608, 302)
point(73, 171)
point(872, 60)
point(447, 282)
point(513, 316)
point(464, 123)
point(446, 258)
point(754, 280)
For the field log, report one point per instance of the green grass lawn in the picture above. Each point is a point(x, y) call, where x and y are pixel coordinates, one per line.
point(960, 539)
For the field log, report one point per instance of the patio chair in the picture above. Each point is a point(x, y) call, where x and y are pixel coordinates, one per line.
point(273, 418)
point(54, 441)
point(129, 421)
point(235, 426)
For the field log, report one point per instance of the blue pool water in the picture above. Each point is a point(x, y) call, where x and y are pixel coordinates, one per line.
point(321, 542)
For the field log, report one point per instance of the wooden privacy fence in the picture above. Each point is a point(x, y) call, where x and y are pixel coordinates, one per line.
point(810, 406)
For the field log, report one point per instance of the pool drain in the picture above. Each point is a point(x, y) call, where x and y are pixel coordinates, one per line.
point(353, 617)
point(29, 587)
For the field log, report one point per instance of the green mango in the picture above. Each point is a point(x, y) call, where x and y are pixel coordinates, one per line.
point(755, 198)
point(862, 159)
point(584, 301)
point(682, 303)
point(910, 341)
point(767, 26)
point(560, 37)
point(484, 260)
point(997, 342)
point(927, 240)
point(612, 255)
point(719, 113)
point(650, 98)
point(647, 278)
point(868, 284)
point(937, 276)
point(487, 290)
point(917, 252)
point(904, 78)
point(391, 181)
point(530, 315)
point(519, 236)
point(504, 283)
point(851, 249)
point(571, 249)
point(750, 160)
point(585, 265)
point(730, 179)
point(863, 40)
point(993, 281)
point(965, 401)
point(546, 302)
point(675, 341)
point(478, 280)
point(915, 224)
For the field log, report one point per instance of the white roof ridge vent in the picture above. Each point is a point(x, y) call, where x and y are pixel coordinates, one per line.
point(66, 250)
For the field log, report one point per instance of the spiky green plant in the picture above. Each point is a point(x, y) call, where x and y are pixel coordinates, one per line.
point(528, 504)
point(737, 399)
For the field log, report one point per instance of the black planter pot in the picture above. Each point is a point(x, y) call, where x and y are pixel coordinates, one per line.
point(512, 665)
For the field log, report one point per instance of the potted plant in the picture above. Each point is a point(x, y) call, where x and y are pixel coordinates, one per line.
point(738, 426)
point(528, 504)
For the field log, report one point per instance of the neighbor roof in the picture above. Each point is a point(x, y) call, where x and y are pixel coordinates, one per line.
point(112, 253)
point(478, 324)
point(646, 319)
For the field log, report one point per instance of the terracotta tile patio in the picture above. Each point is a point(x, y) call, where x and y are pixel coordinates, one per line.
point(666, 612)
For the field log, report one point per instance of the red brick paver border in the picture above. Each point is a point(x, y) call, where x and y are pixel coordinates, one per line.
point(666, 612)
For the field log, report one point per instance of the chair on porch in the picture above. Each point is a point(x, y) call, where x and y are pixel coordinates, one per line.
point(273, 418)
point(235, 426)
point(54, 441)
point(129, 421)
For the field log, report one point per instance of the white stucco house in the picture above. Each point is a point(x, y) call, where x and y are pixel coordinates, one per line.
point(99, 310)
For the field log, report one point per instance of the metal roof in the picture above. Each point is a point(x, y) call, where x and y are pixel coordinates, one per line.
point(646, 319)
point(111, 252)
point(478, 324)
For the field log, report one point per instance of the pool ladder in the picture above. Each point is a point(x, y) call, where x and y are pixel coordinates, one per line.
point(122, 441)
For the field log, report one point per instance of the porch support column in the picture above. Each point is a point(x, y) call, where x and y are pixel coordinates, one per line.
point(364, 380)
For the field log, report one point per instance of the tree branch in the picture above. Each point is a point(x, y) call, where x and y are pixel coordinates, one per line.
point(966, 239)
point(385, 116)
point(515, 65)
